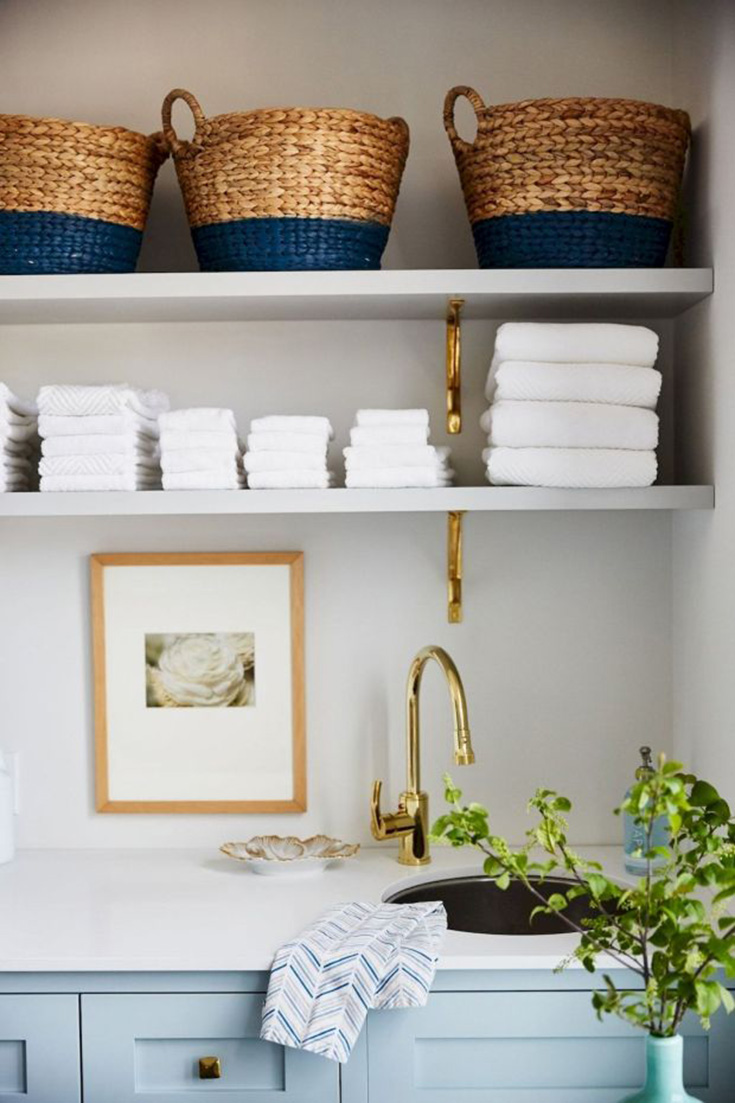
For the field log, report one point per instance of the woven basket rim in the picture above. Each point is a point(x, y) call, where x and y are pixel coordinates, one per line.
point(98, 128)
point(396, 120)
point(555, 101)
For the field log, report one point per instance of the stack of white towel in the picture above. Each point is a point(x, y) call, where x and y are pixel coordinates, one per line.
point(200, 450)
point(287, 451)
point(390, 448)
point(18, 442)
point(99, 438)
point(573, 405)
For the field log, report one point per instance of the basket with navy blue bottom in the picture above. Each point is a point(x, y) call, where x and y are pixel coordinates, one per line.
point(74, 197)
point(286, 189)
point(573, 183)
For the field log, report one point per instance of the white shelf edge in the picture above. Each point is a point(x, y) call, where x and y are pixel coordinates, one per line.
point(341, 501)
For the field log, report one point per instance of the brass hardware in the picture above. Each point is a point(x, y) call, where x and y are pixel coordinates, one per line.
point(454, 366)
point(210, 1068)
point(454, 566)
point(410, 824)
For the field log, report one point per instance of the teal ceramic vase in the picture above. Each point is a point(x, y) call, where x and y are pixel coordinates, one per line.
point(664, 1073)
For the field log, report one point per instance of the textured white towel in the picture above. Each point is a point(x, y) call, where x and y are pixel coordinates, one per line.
point(399, 476)
point(371, 435)
point(95, 444)
point(200, 459)
point(284, 461)
point(118, 464)
point(198, 419)
point(224, 479)
point(19, 407)
point(299, 479)
point(580, 342)
point(128, 481)
point(287, 442)
point(51, 425)
point(569, 425)
point(570, 467)
point(72, 400)
point(293, 423)
point(392, 417)
point(395, 455)
point(616, 384)
point(172, 441)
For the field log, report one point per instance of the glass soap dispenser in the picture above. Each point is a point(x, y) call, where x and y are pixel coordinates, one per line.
point(634, 833)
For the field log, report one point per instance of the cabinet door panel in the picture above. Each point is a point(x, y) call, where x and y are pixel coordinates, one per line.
point(39, 1049)
point(538, 1047)
point(147, 1047)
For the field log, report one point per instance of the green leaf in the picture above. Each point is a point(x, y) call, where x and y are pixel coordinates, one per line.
point(703, 794)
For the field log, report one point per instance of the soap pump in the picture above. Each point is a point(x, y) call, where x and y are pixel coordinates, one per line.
point(7, 812)
point(634, 832)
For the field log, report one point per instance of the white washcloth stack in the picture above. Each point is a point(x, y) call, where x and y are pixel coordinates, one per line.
point(99, 438)
point(18, 442)
point(390, 448)
point(200, 450)
point(572, 405)
point(288, 452)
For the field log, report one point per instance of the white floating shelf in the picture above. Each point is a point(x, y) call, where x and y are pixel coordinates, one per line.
point(481, 499)
point(417, 294)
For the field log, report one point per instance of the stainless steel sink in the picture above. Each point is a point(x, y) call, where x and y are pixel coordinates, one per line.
point(477, 904)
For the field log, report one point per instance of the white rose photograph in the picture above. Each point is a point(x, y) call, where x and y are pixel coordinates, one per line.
point(200, 670)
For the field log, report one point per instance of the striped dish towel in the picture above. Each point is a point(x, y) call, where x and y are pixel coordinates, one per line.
point(355, 958)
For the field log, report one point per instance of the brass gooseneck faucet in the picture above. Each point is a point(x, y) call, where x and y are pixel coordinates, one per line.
point(410, 824)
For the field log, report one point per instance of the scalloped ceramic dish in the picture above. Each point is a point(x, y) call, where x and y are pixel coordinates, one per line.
point(279, 856)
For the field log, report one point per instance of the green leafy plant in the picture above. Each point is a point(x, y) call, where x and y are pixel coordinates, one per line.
point(670, 928)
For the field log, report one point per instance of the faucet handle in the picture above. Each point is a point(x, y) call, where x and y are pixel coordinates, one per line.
point(388, 825)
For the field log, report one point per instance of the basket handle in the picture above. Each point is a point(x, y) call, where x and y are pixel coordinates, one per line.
point(449, 101)
point(174, 143)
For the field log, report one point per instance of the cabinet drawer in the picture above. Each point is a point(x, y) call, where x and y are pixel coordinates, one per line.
point(147, 1047)
point(536, 1047)
point(39, 1049)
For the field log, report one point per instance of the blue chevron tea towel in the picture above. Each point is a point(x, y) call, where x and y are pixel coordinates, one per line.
point(354, 958)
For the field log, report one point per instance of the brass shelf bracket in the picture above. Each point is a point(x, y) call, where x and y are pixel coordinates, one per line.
point(454, 566)
point(454, 366)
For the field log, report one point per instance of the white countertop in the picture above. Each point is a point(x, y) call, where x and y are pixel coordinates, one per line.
point(184, 910)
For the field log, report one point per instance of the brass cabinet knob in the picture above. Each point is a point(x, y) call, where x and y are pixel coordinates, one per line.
point(210, 1068)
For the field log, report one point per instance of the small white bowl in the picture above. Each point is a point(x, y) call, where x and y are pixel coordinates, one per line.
point(276, 856)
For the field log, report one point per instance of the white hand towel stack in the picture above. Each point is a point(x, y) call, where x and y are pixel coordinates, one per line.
point(200, 450)
point(390, 448)
point(288, 452)
point(99, 438)
point(572, 405)
point(18, 442)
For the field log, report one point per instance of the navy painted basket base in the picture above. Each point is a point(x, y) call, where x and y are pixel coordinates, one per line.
point(280, 244)
point(50, 243)
point(572, 239)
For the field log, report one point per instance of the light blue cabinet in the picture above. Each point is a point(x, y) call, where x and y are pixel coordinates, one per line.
point(39, 1049)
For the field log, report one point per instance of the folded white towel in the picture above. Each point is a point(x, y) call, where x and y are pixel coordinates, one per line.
point(223, 479)
point(127, 481)
point(615, 384)
point(51, 425)
point(370, 435)
point(72, 400)
point(200, 459)
point(172, 440)
point(284, 461)
point(198, 419)
point(395, 455)
point(25, 448)
point(16, 463)
point(399, 476)
point(95, 444)
point(287, 442)
point(569, 425)
point(115, 464)
point(12, 481)
point(292, 423)
point(26, 433)
point(580, 342)
point(19, 407)
point(392, 417)
point(298, 479)
point(570, 467)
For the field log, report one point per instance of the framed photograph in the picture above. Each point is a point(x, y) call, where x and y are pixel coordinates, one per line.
point(199, 682)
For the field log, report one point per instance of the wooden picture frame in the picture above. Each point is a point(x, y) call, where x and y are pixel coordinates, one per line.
point(136, 720)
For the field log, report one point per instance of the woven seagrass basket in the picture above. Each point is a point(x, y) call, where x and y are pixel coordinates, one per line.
point(570, 183)
point(74, 197)
point(290, 188)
